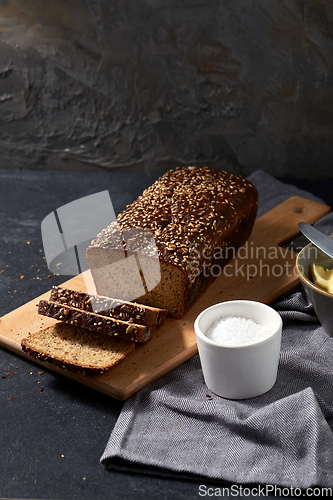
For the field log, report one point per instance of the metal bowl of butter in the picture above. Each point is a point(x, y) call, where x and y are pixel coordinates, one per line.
point(315, 270)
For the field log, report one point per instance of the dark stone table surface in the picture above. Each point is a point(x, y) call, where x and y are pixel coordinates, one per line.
point(52, 440)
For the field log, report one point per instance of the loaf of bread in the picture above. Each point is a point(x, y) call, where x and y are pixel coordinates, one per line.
point(77, 349)
point(105, 306)
point(194, 214)
point(96, 322)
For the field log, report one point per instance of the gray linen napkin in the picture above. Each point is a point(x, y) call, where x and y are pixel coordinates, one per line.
point(175, 427)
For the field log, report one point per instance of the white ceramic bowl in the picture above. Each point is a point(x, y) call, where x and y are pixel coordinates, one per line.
point(244, 371)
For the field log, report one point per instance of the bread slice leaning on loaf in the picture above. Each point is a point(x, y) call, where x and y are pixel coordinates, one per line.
point(77, 349)
point(109, 307)
point(194, 214)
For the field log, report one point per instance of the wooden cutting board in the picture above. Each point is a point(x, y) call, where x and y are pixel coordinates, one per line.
point(262, 270)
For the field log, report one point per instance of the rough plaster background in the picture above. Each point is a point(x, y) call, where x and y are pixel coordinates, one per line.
point(242, 84)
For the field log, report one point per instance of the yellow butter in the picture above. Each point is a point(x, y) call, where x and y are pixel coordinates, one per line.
point(322, 277)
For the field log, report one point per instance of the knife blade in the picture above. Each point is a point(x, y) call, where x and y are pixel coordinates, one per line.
point(320, 240)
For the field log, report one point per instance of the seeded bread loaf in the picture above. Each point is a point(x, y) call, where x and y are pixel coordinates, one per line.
point(105, 306)
point(77, 349)
point(190, 211)
point(96, 322)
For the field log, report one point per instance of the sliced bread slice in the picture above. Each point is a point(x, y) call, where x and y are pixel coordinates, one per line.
point(76, 349)
point(106, 306)
point(96, 322)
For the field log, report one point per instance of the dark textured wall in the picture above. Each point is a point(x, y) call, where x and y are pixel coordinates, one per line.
point(241, 84)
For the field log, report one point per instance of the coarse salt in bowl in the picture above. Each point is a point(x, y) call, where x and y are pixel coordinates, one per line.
point(239, 346)
point(233, 331)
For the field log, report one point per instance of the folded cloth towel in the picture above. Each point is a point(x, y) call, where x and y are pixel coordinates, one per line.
point(175, 427)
